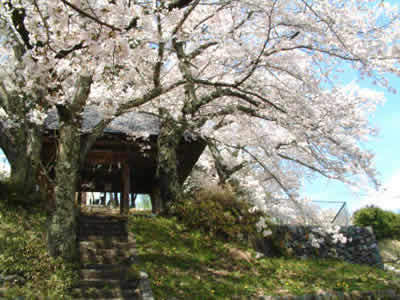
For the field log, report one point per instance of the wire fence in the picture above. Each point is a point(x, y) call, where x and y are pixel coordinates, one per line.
point(336, 211)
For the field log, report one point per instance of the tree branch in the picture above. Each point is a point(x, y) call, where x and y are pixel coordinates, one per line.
point(161, 45)
point(18, 16)
point(150, 95)
point(85, 14)
point(82, 93)
point(64, 53)
point(185, 16)
point(179, 4)
point(200, 50)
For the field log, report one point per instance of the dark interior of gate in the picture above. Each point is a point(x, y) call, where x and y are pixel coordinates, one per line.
point(113, 160)
point(124, 159)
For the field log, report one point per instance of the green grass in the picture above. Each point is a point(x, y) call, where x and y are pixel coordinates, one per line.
point(23, 252)
point(188, 265)
point(181, 263)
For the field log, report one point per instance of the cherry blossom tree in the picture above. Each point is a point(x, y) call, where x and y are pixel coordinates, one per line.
point(257, 79)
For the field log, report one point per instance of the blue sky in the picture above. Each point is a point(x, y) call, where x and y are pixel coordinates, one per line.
point(387, 160)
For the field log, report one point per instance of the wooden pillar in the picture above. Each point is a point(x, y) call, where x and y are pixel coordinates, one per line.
point(84, 198)
point(133, 199)
point(78, 199)
point(116, 198)
point(126, 185)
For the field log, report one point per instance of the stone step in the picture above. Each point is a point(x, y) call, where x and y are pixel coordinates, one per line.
point(121, 298)
point(100, 218)
point(108, 252)
point(102, 228)
point(94, 238)
point(110, 293)
point(103, 273)
point(116, 225)
point(83, 232)
point(108, 283)
point(107, 244)
point(89, 260)
point(104, 266)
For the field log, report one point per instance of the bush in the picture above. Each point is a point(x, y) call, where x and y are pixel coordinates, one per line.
point(218, 212)
point(385, 224)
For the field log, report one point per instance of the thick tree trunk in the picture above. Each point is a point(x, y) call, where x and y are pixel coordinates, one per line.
point(61, 234)
point(62, 227)
point(155, 198)
point(167, 162)
point(22, 147)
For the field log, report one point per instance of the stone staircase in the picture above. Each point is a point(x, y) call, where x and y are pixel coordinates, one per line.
point(107, 256)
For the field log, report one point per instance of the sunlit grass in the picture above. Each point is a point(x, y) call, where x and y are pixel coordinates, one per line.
point(182, 263)
point(188, 265)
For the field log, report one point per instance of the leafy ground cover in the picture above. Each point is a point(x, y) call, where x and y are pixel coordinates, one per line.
point(24, 259)
point(182, 263)
point(187, 264)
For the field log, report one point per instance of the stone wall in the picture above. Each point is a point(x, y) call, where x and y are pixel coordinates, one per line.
point(375, 295)
point(296, 241)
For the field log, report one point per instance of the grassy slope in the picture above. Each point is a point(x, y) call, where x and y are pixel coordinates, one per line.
point(187, 265)
point(183, 264)
point(23, 253)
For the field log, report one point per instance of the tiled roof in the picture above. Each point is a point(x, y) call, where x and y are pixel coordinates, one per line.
point(131, 123)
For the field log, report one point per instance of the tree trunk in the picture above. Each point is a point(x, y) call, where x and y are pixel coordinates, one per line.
point(155, 198)
point(167, 162)
point(22, 147)
point(62, 228)
point(223, 170)
point(61, 234)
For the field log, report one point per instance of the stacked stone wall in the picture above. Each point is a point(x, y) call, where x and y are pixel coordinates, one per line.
point(296, 241)
point(355, 295)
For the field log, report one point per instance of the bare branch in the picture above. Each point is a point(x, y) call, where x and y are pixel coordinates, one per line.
point(258, 59)
point(18, 16)
point(161, 45)
point(179, 4)
point(64, 53)
point(185, 16)
point(311, 48)
point(200, 50)
point(150, 95)
point(85, 14)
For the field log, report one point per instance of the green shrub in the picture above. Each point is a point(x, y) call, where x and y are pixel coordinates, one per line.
point(385, 224)
point(218, 212)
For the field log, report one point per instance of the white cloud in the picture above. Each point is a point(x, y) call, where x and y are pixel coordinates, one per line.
point(388, 197)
